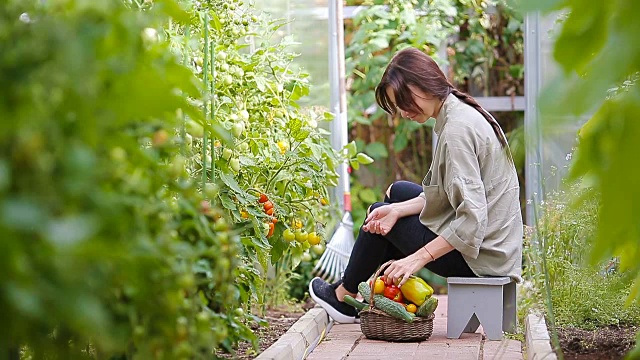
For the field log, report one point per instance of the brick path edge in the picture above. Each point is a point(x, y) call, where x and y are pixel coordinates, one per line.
point(537, 339)
point(301, 338)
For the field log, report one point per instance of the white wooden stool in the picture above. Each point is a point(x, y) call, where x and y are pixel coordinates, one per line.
point(490, 301)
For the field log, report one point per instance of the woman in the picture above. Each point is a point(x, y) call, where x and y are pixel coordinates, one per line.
point(464, 220)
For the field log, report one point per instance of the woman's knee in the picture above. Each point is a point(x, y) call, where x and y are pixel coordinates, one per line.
point(397, 185)
point(402, 190)
point(388, 193)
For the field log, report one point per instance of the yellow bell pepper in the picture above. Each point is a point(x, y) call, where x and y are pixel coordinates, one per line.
point(416, 290)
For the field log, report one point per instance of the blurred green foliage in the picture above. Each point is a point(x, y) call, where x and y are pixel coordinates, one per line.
point(597, 53)
point(105, 250)
point(594, 49)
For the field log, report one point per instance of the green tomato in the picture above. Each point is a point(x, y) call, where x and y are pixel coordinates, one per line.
point(227, 153)
point(244, 115)
point(243, 147)
point(237, 129)
point(235, 164)
point(318, 249)
point(288, 235)
point(139, 332)
point(211, 189)
point(195, 129)
point(306, 257)
point(221, 56)
point(186, 281)
point(220, 226)
point(227, 80)
point(118, 154)
point(178, 166)
point(203, 317)
point(301, 236)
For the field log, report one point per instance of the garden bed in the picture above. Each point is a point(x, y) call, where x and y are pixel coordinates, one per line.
point(606, 343)
point(280, 320)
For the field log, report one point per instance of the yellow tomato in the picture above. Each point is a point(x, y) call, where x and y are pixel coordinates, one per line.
point(412, 308)
point(378, 287)
point(283, 147)
point(313, 238)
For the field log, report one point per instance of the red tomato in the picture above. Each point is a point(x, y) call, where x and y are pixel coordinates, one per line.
point(263, 198)
point(393, 292)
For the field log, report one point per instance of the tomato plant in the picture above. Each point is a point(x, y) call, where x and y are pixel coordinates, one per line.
point(278, 161)
point(107, 242)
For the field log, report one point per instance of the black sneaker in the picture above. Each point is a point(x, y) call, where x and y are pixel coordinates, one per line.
point(325, 295)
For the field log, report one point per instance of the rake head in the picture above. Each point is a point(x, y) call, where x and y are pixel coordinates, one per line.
point(334, 260)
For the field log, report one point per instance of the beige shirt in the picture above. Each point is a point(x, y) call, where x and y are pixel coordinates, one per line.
point(472, 193)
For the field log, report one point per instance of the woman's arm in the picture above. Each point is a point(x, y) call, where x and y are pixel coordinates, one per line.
point(403, 268)
point(382, 219)
point(409, 207)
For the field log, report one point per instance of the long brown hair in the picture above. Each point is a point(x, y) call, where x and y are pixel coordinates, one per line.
point(413, 67)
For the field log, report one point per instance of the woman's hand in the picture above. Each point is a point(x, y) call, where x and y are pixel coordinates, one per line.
point(400, 270)
point(381, 220)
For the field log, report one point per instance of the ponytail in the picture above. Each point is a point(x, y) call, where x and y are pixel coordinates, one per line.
point(473, 103)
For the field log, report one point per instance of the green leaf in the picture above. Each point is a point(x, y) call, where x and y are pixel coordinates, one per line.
point(171, 8)
point(368, 196)
point(364, 159)
point(378, 43)
point(584, 33)
point(227, 203)
point(352, 149)
point(377, 150)
point(215, 21)
point(328, 116)
point(231, 182)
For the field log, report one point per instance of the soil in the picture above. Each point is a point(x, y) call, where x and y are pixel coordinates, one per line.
point(607, 343)
point(280, 320)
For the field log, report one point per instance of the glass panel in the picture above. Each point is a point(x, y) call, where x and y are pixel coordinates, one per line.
point(307, 23)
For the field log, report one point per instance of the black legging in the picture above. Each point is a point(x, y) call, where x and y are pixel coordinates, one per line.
point(406, 237)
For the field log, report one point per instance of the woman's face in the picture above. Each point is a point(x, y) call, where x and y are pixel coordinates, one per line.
point(429, 104)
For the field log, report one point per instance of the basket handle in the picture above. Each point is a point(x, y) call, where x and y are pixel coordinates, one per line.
point(373, 283)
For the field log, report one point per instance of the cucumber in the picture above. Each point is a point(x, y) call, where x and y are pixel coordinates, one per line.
point(428, 307)
point(355, 303)
point(365, 290)
point(390, 307)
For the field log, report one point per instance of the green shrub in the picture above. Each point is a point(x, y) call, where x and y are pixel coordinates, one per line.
point(581, 295)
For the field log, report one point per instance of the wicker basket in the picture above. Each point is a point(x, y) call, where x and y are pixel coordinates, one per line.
point(378, 325)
